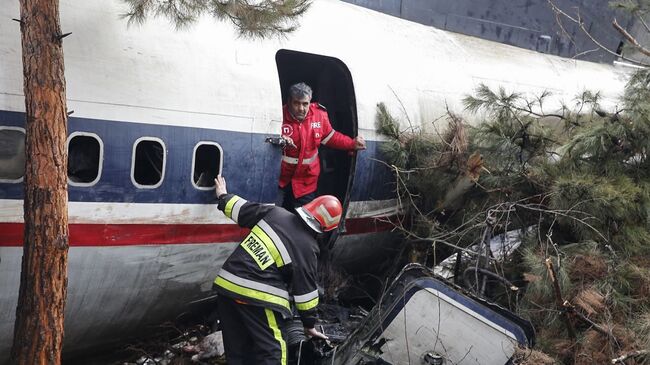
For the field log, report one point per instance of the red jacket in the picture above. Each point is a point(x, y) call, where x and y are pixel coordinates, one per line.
point(301, 166)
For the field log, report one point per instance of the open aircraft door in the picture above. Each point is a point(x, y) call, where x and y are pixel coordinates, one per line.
point(332, 87)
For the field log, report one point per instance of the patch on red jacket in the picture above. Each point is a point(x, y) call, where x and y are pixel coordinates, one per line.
point(287, 130)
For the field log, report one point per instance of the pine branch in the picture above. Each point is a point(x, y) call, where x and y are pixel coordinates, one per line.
point(626, 5)
point(386, 123)
point(254, 19)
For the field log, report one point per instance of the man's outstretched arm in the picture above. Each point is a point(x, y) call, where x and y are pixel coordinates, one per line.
point(337, 140)
point(244, 213)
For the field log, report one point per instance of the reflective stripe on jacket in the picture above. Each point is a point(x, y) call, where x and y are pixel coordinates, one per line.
point(301, 166)
point(279, 253)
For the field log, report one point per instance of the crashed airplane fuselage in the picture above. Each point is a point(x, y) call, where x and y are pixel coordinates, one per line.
point(158, 113)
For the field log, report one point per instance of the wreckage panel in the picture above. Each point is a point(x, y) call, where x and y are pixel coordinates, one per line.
point(420, 315)
point(434, 322)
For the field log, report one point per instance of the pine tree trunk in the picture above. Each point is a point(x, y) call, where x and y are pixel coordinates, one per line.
point(38, 333)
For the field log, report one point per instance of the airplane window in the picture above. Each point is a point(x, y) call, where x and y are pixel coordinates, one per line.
point(85, 156)
point(148, 168)
point(207, 164)
point(12, 154)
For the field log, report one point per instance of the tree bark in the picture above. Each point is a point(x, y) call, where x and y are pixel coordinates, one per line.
point(38, 332)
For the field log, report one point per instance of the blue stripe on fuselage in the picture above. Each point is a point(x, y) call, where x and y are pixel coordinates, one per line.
point(251, 166)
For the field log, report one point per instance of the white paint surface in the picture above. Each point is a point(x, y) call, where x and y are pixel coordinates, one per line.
point(433, 322)
point(11, 211)
point(206, 77)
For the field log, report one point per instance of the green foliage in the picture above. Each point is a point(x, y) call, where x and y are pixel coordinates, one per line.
point(641, 325)
point(636, 7)
point(597, 178)
point(633, 239)
point(597, 206)
point(637, 94)
point(511, 139)
point(405, 150)
point(394, 150)
point(386, 123)
point(425, 163)
point(628, 287)
point(499, 105)
point(252, 18)
point(511, 146)
point(582, 177)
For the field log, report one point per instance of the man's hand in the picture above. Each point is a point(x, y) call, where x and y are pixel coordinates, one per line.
point(359, 143)
point(220, 186)
point(312, 332)
point(289, 141)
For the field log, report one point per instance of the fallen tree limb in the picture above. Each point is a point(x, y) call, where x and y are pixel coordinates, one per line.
point(591, 323)
point(624, 357)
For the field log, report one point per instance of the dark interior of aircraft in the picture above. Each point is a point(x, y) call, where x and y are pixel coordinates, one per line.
point(84, 153)
point(332, 87)
point(206, 165)
point(12, 154)
point(148, 163)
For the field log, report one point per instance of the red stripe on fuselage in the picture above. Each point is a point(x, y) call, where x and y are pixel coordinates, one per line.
point(11, 234)
point(369, 225)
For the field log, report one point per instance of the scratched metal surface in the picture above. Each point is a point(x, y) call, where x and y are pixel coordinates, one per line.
point(115, 291)
point(529, 24)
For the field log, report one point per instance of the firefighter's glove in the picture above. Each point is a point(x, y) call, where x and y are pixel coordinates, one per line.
point(312, 332)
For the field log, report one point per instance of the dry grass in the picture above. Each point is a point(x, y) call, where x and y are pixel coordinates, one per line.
point(590, 301)
point(595, 348)
point(588, 268)
point(532, 357)
point(563, 349)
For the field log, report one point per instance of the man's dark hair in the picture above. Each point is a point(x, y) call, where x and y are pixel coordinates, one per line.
point(299, 91)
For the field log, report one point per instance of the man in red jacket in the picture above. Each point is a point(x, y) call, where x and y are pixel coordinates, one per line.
point(306, 126)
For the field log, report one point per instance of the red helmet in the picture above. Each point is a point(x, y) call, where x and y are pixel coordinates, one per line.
point(322, 213)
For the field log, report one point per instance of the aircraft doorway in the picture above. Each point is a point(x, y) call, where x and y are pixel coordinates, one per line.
point(332, 86)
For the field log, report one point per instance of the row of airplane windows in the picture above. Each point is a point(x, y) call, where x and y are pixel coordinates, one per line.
point(86, 157)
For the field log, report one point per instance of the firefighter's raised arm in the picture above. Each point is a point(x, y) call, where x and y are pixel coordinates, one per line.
point(244, 213)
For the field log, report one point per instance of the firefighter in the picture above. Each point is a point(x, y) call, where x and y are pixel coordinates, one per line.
point(274, 264)
point(305, 126)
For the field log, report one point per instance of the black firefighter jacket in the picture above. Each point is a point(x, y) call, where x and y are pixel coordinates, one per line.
point(275, 264)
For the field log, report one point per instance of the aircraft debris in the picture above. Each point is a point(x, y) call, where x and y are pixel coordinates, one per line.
point(420, 319)
point(209, 347)
point(499, 248)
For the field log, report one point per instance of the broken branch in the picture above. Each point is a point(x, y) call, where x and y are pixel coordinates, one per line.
point(581, 25)
point(558, 298)
point(624, 357)
point(591, 323)
point(631, 39)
